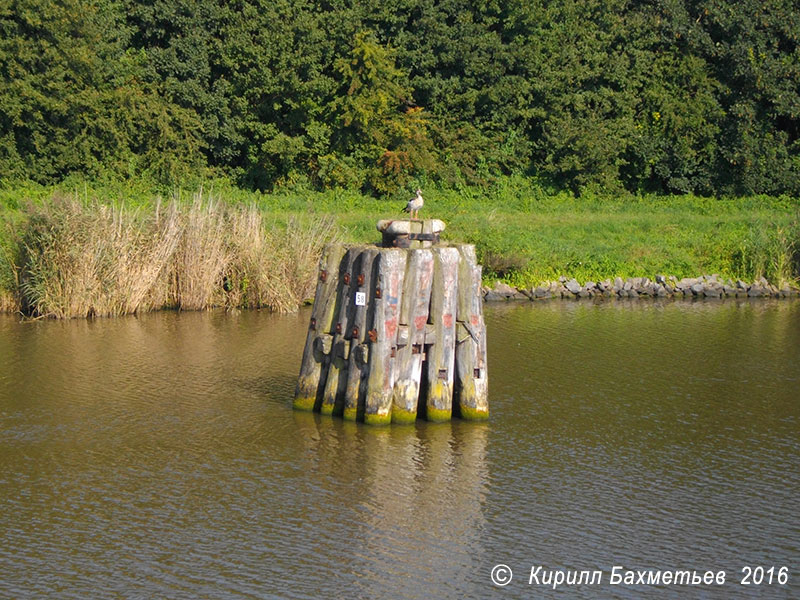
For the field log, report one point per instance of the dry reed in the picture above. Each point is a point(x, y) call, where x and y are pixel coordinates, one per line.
point(275, 270)
point(92, 259)
point(202, 258)
point(9, 302)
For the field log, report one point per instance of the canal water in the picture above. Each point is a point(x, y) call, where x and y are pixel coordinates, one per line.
point(159, 456)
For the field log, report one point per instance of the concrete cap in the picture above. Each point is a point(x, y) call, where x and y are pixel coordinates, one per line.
point(406, 226)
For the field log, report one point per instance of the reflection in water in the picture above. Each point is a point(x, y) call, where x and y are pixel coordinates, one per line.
point(410, 508)
point(159, 456)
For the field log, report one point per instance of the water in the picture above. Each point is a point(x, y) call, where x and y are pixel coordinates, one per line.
point(159, 457)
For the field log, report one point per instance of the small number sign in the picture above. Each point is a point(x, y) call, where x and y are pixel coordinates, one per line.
point(361, 299)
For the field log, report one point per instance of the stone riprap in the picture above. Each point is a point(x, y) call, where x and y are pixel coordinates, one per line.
point(705, 286)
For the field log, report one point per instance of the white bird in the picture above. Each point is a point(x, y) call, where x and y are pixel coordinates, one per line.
point(414, 205)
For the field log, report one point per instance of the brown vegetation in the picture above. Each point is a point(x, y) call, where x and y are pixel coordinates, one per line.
point(83, 259)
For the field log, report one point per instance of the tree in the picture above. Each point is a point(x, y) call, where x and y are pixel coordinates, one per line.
point(378, 122)
point(753, 47)
point(74, 100)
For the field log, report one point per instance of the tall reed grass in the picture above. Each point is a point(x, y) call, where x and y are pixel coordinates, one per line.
point(770, 250)
point(9, 302)
point(91, 259)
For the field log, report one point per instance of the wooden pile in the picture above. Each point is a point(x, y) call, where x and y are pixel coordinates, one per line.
point(396, 334)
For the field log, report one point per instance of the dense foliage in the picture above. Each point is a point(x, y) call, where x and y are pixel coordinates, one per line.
point(674, 96)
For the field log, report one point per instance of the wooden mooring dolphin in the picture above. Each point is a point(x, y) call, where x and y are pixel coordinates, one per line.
point(397, 332)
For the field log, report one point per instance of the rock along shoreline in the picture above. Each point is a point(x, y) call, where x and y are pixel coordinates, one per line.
point(705, 286)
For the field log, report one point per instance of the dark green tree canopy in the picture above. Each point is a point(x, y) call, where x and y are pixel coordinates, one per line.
point(671, 96)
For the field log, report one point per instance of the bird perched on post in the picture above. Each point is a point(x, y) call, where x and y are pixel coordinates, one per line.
point(414, 205)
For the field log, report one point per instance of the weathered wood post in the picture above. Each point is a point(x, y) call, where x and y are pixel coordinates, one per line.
point(310, 383)
point(440, 352)
point(411, 335)
point(471, 386)
point(397, 332)
point(383, 335)
point(357, 371)
point(335, 383)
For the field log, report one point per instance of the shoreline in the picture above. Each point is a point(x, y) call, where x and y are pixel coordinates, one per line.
point(632, 288)
point(704, 286)
point(110, 250)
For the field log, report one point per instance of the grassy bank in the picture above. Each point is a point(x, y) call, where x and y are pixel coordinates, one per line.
point(81, 250)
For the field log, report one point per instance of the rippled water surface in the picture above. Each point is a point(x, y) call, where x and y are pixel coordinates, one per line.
point(159, 457)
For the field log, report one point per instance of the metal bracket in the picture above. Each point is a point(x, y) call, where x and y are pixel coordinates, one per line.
point(404, 240)
point(464, 331)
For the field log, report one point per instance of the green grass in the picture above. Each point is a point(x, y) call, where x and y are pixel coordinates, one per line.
point(524, 234)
